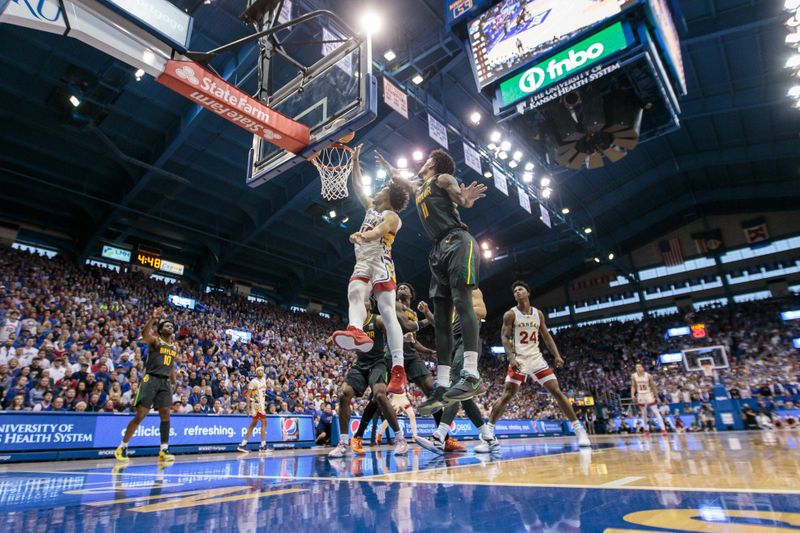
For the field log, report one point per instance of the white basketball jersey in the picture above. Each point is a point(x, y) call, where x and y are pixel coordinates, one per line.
point(642, 383)
point(526, 333)
point(379, 247)
point(258, 395)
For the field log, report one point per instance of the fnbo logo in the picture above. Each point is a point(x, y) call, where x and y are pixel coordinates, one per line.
point(535, 77)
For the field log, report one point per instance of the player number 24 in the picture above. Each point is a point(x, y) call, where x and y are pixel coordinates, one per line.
point(524, 338)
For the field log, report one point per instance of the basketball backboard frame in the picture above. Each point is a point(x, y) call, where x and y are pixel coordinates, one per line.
point(265, 162)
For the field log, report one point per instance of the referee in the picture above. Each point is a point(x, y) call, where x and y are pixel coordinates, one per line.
point(155, 390)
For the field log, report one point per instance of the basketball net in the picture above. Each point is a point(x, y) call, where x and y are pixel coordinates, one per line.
point(334, 163)
point(708, 370)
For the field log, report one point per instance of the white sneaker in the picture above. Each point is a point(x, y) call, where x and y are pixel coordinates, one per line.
point(400, 446)
point(583, 437)
point(488, 446)
point(341, 450)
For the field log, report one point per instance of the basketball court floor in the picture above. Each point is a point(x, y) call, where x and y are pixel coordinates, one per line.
point(718, 482)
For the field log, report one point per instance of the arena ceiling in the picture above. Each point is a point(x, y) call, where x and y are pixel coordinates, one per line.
point(145, 166)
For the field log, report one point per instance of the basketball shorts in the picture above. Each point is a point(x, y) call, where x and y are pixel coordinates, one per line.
point(259, 416)
point(645, 399)
point(535, 367)
point(454, 263)
point(154, 392)
point(377, 270)
point(365, 374)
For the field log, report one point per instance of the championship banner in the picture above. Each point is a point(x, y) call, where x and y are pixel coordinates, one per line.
point(524, 199)
point(472, 158)
point(500, 181)
point(437, 131)
point(755, 230)
point(199, 85)
point(545, 216)
point(395, 97)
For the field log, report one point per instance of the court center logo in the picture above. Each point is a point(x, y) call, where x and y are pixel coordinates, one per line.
point(187, 73)
point(535, 77)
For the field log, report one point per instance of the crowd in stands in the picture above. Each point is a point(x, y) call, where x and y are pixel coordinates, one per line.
point(70, 340)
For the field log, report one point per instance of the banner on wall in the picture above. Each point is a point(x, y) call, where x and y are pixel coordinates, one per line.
point(67, 431)
point(395, 97)
point(524, 199)
point(437, 131)
point(500, 181)
point(472, 158)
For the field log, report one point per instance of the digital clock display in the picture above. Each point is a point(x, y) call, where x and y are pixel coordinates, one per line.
point(148, 260)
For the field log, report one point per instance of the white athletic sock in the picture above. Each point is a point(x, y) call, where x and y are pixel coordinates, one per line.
point(387, 306)
point(123, 444)
point(164, 447)
point(575, 424)
point(244, 443)
point(357, 292)
point(397, 358)
point(487, 433)
point(441, 431)
point(471, 363)
point(443, 375)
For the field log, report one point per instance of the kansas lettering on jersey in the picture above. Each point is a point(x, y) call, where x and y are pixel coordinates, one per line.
point(526, 332)
point(436, 210)
point(376, 334)
point(257, 388)
point(382, 246)
point(159, 362)
point(642, 383)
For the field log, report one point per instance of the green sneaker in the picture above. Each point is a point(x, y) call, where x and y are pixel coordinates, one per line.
point(468, 386)
point(434, 403)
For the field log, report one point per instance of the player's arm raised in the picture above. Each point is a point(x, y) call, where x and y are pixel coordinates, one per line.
point(423, 308)
point(507, 337)
point(465, 196)
point(358, 186)
point(391, 222)
point(147, 333)
point(548, 340)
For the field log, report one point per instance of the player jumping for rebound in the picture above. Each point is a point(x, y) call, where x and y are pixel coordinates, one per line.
point(523, 325)
point(643, 390)
point(155, 391)
point(257, 407)
point(454, 270)
point(374, 271)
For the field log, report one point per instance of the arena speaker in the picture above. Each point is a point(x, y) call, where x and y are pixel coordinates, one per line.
point(589, 128)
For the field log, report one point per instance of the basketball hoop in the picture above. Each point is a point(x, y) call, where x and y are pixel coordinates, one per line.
point(708, 370)
point(334, 164)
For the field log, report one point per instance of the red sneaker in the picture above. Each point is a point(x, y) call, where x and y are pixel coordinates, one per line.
point(352, 339)
point(451, 445)
point(397, 385)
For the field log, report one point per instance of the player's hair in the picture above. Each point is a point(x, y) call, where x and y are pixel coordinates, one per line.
point(162, 323)
point(442, 162)
point(410, 289)
point(399, 195)
point(520, 284)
